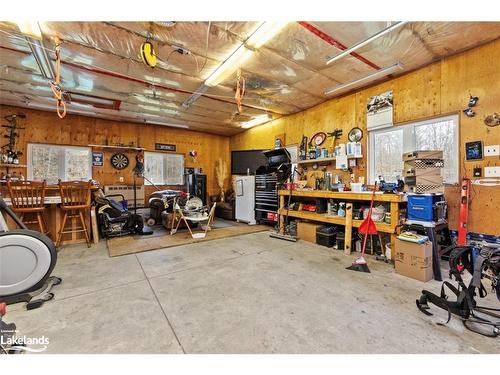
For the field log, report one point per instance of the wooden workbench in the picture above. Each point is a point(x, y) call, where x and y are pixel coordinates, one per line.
point(394, 200)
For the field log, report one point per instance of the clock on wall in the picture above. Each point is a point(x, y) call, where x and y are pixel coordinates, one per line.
point(318, 139)
point(119, 161)
point(355, 134)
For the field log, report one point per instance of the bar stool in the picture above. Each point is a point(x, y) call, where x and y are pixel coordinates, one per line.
point(28, 198)
point(75, 200)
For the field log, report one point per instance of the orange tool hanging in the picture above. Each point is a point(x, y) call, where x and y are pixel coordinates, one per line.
point(56, 85)
point(240, 90)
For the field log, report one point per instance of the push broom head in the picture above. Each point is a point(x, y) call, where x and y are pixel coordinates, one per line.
point(359, 265)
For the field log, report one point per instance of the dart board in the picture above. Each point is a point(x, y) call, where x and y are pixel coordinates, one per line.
point(119, 161)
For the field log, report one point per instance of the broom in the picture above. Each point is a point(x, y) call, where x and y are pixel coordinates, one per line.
point(367, 227)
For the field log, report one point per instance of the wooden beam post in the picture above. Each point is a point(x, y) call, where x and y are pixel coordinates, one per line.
point(348, 228)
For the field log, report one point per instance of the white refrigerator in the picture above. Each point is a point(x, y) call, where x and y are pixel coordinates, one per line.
point(245, 199)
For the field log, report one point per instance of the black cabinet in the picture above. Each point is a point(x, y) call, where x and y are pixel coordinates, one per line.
point(196, 184)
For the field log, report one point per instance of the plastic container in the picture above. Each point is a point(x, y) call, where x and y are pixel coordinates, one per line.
point(421, 206)
point(356, 187)
point(326, 236)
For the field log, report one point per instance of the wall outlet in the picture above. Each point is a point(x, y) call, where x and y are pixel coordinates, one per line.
point(491, 171)
point(493, 150)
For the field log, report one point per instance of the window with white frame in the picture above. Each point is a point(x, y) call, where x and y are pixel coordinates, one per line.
point(386, 147)
point(51, 163)
point(163, 169)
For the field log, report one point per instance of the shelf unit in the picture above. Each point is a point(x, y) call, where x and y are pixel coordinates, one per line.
point(394, 201)
point(118, 147)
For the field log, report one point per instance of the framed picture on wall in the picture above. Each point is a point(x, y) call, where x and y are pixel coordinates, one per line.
point(474, 150)
point(97, 159)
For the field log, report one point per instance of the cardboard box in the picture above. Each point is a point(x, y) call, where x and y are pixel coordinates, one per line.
point(414, 260)
point(307, 231)
point(424, 180)
point(431, 154)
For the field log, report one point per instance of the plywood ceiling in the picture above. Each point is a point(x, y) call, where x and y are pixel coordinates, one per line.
point(287, 75)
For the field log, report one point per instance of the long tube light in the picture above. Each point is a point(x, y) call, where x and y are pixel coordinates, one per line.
point(259, 37)
point(367, 41)
point(41, 58)
point(153, 122)
point(256, 121)
point(30, 29)
point(379, 73)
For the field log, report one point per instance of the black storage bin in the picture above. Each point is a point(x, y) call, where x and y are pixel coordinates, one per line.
point(340, 241)
point(326, 236)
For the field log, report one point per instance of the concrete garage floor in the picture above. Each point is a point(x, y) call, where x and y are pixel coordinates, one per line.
point(246, 294)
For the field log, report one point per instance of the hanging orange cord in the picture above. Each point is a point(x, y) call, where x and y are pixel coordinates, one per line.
point(56, 85)
point(240, 90)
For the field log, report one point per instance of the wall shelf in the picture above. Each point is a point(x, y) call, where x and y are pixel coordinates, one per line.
point(325, 160)
point(118, 147)
point(7, 165)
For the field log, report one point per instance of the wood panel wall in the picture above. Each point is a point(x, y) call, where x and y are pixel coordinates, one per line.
point(46, 127)
point(438, 89)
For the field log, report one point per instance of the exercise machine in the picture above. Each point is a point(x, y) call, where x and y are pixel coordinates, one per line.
point(27, 261)
point(482, 262)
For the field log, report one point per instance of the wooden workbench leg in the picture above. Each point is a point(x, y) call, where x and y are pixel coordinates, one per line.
point(282, 217)
point(348, 229)
point(393, 246)
point(394, 226)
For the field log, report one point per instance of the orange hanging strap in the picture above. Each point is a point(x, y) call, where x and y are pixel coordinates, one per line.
point(240, 90)
point(56, 85)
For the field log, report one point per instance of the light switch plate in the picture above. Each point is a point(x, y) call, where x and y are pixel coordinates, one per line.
point(491, 171)
point(492, 150)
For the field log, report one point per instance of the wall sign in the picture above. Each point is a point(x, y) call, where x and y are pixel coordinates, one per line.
point(474, 150)
point(97, 159)
point(164, 147)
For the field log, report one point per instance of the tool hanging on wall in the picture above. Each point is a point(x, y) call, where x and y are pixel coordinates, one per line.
point(334, 135)
point(240, 90)
point(464, 212)
point(56, 85)
point(12, 156)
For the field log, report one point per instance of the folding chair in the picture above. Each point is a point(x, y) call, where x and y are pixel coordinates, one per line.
point(194, 219)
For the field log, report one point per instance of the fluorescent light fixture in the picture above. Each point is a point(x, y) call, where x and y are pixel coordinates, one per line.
point(366, 41)
point(259, 37)
point(358, 82)
point(265, 32)
point(228, 67)
point(30, 29)
point(41, 58)
point(92, 100)
point(256, 121)
point(194, 97)
point(181, 126)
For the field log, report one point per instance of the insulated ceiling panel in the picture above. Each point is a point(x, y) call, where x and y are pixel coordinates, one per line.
point(286, 75)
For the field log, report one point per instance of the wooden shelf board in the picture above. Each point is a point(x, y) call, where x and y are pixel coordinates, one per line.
point(118, 147)
point(313, 216)
point(326, 160)
point(13, 165)
point(345, 195)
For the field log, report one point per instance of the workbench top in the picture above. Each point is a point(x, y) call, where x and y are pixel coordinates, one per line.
point(347, 195)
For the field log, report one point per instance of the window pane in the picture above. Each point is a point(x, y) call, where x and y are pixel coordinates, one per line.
point(153, 168)
point(440, 136)
point(387, 153)
point(45, 163)
point(77, 166)
point(174, 169)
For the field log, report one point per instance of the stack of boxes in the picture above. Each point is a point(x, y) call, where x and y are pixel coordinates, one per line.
point(422, 171)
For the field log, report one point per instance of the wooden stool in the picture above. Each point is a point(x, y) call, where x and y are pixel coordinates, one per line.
point(28, 198)
point(75, 200)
